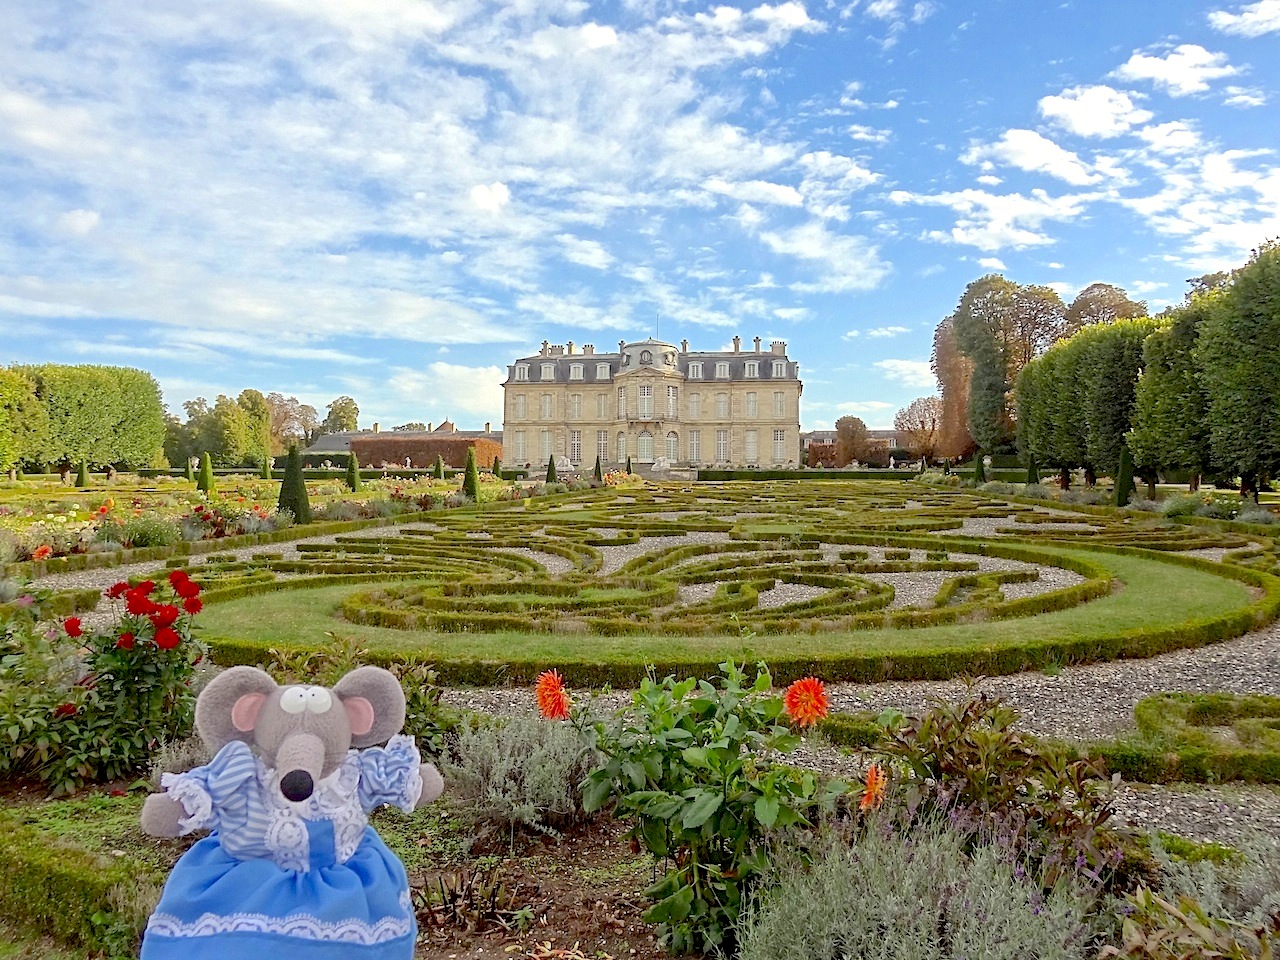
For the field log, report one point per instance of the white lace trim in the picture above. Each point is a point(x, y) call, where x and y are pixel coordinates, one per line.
point(335, 799)
point(195, 800)
point(301, 925)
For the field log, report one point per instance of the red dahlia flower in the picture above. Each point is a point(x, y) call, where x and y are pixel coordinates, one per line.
point(192, 605)
point(177, 578)
point(167, 638)
point(137, 602)
point(805, 701)
point(873, 792)
point(125, 641)
point(117, 590)
point(165, 615)
point(187, 589)
point(553, 698)
point(72, 626)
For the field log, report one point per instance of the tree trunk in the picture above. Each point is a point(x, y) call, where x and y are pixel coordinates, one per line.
point(1064, 478)
point(1194, 485)
point(1090, 478)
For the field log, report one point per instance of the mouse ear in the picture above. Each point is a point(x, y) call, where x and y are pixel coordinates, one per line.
point(227, 709)
point(381, 715)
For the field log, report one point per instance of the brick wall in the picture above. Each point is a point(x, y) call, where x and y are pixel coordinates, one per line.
point(422, 451)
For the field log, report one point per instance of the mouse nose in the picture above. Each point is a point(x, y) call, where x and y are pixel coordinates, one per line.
point(297, 785)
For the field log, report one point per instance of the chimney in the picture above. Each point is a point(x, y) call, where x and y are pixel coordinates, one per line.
point(557, 350)
point(779, 347)
point(737, 344)
point(546, 345)
point(487, 424)
point(375, 426)
point(684, 346)
point(757, 344)
point(621, 344)
point(588, 349)
point(428, 426)
point(570, 346)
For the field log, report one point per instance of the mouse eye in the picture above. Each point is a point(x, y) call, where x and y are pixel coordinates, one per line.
point(319, 700)
point(293, 700)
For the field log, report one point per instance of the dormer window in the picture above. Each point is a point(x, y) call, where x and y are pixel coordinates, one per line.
point(722, 370)
point(602, 373)
point(548, 371)
point(646, 356)
point(575, 371)
point(779, 368)
point(753, 368)
point(695, 369)
point(522, 371)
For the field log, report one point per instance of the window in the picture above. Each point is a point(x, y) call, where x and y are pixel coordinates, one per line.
point(779, 403)
point(779, 368)
point(575, 371)
point(646, 356)
point(779, 445)
point(544, 407)
point(575, 446)
point(522, 371)
point(753, 448)
point(622, 403)
point(519, 451)
point(695, 405)
point(695, 370)
point(673, 402)
point(644, 447)
point(673, 447)
point(753, 368)
point(575, 406)
point(722, 446)
point(602, 445)
point(722, 406)
point(695, 445)
point(751, 404)
point(518, 410)
point(548, 371)
point(545, 445)
point(622, 448)
point(722, 370)
point(602, 405)
point(646, 401)
point(602, 371)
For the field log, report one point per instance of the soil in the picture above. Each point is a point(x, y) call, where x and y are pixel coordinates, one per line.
point(578, 897)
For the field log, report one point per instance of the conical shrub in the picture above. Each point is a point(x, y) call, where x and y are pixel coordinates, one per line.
point(353, 473)
point(82, 475)
point(551, 469)
point(293, 489)
point(1124, 478)
point(979, 474)
point(438, 470)
point(598, 473)
point(628, 464)
point(471, 478)
point(204, 482)
point(497, 467)
point(1033, 472)
point(266, 469)
point(190, 472)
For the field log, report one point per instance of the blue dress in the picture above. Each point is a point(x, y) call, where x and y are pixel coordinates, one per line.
point(308, 881)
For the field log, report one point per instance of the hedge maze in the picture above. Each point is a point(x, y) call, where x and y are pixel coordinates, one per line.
point(755, 563)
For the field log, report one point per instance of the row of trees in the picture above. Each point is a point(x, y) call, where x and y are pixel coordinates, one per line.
point(67, 414)
point(249, 428)
point(997, 328)
point(1196, 389)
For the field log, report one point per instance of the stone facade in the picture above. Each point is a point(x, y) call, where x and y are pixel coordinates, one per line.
point(653, 401)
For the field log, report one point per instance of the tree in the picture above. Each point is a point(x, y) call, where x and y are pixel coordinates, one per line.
point(204, 482)
point(551, 469)
point(291, 422)
point(229, 432)
point(1110, 370)
point(984, 324)
point(413, 425)
point(471, 477)
point(293, 489)
point(1101, 303)
point(257, 425)
point(918, 425)
point(353, 472)
point(953, 370)
point(1170, 420)
point(1240, 366)
point(343, 416)
point(853, 441)
point(24, 425)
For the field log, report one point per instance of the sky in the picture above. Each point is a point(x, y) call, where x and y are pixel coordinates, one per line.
point(394, 199)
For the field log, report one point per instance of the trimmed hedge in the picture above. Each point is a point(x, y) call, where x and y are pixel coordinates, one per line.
point(807, 474)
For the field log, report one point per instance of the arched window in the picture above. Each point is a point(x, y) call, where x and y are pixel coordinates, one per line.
point(644, 447)
point(673, 447)
point(646, 356)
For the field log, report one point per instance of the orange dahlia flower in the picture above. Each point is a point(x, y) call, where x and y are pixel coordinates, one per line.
point(553, 698)
point(805, 701)
point(42, 552)
point(873, 792)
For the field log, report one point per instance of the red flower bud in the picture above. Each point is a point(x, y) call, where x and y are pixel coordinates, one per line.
point(72, 626)
point(125, 641)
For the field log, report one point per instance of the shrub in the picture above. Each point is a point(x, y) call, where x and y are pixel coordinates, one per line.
point(1253, 513)
point(517, 772)
point(1245, 889)
point(551, 469)
point(353, 473)
point(293, 489)
point(151, 530)
point(437, 471)
point(893, 897)
point(82, 475)
point(204, 482)
point(471, 477)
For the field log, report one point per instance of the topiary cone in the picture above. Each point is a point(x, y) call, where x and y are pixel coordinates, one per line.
point(293, 489)
point(438, 470)
point(353, 473)
point(204, 482)
point(979, 474)
point(266, 468)
point(1124, 478)
point(497, 467)
point(471, 477)
point(598, 473)
point(551, 469)
point(190, 472)
point(82, 475)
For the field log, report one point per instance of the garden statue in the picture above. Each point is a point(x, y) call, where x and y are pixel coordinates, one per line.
point(292, 867)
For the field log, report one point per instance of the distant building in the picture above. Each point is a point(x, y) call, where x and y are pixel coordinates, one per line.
point(412, 448)
point(652, 400)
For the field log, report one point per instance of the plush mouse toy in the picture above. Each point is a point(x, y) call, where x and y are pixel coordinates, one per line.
point(292, 868)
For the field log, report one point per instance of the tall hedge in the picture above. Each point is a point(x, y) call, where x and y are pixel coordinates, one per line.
point(1170, 420)
point(293, 489)
point(24, 424)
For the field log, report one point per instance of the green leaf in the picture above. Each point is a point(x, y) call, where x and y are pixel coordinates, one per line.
point(654, 833)
point(596, 792)
point(703, 804)
point(695, 757)
point(673, 909)
point(767, 810)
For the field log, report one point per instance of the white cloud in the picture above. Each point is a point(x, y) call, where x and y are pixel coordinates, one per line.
point(887, 331)
point(587, 253)
point(1093, 111)
point(1244, 97)
point(490, 197)
point(909, 373)
point(866, 134)
point(862, 406)
point(791, 313)
point(1253, 20)
point(1146, 286)
point(842, 263)
point(992, 263)
point(1184, 70)
point(851, 335)
point(990, 180)
point(79, 222)
point(756, 191)
point(1175, 137)
point(1028, 150)
point(448, 389)
point(993, 222)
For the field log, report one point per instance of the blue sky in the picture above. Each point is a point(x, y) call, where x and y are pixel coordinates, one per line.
point(392, 199)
